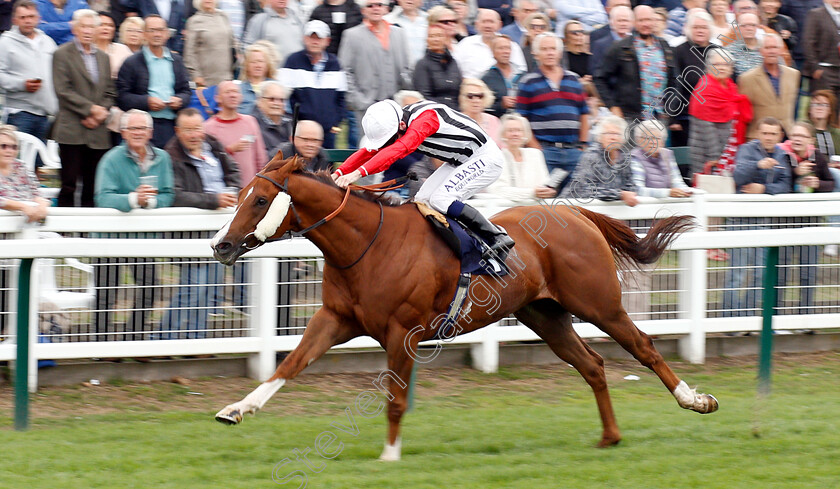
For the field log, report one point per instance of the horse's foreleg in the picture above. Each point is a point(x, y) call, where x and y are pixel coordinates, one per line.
point(554, 325)
point(400, 363)
point(323, 331)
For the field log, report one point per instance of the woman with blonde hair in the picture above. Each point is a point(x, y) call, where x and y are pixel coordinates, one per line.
point(524, 173)
point(444, 16)
point(131, 33)
point(474, 99)
point(259, 65)
point(209, 45)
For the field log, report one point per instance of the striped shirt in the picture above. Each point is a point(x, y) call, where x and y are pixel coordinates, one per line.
point(554, 112)
point(91, 65)
point(457, 138)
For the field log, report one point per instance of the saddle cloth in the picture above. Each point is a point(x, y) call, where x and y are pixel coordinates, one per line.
point(467, 247)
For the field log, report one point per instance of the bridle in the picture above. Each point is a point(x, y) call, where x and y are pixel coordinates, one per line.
point(378, 187)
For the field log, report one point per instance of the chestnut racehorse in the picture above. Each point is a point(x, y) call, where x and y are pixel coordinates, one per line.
point(389, 275)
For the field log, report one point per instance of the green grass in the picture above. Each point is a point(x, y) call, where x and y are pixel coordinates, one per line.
point(494, 431)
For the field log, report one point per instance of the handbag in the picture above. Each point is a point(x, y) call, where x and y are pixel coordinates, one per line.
point(715, 184)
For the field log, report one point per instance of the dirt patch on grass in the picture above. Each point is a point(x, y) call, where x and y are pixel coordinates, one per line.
point(323, 394)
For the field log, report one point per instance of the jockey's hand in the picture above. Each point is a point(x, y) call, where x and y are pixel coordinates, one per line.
point(345, 180)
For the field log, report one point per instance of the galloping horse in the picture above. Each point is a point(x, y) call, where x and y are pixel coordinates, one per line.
point(387, 272)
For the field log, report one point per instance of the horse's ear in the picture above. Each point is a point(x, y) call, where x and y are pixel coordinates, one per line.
point(275, 162)
point(296, 163)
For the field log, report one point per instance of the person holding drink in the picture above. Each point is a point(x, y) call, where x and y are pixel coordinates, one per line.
point(130, 176)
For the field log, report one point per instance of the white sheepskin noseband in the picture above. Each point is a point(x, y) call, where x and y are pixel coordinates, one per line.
point(274, 217)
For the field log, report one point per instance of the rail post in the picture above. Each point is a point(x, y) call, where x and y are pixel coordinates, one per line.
point(768, 303)
point(22, 339)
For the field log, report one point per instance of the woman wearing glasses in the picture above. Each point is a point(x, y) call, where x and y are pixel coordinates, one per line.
point(535, 24)
point(576, 54)
point(474, 99)
point(18, 185)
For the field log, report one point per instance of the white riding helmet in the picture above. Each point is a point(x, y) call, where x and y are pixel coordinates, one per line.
point(381, 121)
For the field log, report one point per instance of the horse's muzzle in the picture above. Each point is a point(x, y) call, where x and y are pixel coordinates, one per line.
point(226, 253)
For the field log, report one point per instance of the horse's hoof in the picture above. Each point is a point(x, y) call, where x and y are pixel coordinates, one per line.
point(392, 453)
point(711, 404)
point(229, 417)
point(608, 442)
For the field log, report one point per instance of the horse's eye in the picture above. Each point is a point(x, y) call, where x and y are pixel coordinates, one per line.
point(261, 201)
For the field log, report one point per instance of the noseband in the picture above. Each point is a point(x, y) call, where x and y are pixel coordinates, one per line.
point(380, 187)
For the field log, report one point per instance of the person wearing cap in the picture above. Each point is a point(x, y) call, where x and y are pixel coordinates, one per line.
point(471, 160)
point(317, 83)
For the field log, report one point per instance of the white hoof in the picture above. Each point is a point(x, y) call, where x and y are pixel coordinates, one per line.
point(392, 453)
point(688, 398)
point(230, 415)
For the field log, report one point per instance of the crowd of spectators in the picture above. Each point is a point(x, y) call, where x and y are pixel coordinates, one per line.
point(619, 82)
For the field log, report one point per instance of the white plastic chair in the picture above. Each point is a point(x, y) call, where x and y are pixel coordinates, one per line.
point(30, 148)
point(48, 288)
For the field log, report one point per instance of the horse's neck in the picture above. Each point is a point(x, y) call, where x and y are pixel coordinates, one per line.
point(346, 235)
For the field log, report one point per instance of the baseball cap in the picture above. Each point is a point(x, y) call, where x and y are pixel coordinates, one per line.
point(317, 27)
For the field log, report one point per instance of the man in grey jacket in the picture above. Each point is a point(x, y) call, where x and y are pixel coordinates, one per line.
point(375, 56)
point(279, 25)
point(26, 72)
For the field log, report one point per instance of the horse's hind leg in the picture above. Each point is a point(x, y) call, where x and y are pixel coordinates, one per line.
point(323, 331)
point(554, 325)
point(613, 320)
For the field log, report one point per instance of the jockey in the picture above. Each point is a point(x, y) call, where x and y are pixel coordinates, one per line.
point(471, 160)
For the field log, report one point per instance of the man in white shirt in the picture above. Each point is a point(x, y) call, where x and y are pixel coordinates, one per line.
point(474, 54)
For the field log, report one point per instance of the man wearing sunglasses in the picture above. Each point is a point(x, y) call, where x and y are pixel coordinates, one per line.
point(374, 55)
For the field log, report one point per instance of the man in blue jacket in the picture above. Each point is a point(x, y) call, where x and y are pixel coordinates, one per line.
point(56, 16)
point(316, 80)
point(154, 79)
point(761, 167)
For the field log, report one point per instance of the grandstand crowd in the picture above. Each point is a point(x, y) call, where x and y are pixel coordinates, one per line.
point(158, 103)
point(706, 74)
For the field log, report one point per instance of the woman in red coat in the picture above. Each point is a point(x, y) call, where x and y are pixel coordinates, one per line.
point(718, 112)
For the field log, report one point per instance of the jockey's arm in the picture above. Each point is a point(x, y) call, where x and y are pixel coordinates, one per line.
point(369, 162)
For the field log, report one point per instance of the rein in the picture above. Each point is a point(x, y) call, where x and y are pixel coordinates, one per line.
point(377, 187)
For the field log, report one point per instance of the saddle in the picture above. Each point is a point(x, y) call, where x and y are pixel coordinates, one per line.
point(464, 243)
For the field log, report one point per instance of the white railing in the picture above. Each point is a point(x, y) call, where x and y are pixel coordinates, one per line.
point(262, 342)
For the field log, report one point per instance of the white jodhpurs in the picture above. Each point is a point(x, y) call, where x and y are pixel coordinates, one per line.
point(450, 183)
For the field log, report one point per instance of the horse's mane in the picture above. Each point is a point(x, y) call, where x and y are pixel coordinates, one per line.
point(325, 177)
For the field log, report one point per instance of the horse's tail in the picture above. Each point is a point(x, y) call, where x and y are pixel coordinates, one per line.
point(630, 248)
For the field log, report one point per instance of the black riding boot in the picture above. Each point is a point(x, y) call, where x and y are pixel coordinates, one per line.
point(497, 239)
